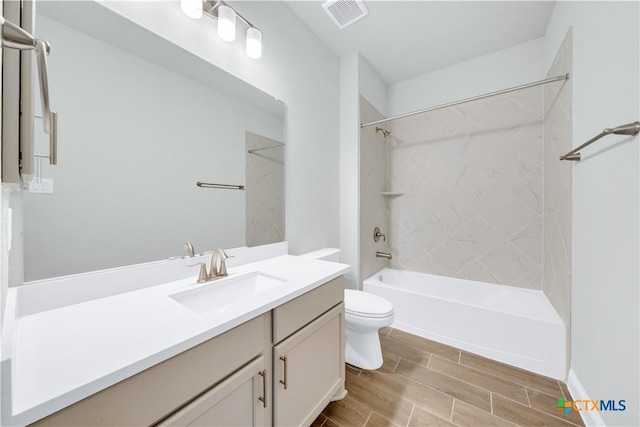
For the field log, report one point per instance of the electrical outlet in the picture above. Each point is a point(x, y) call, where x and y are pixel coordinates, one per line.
point(43, 186)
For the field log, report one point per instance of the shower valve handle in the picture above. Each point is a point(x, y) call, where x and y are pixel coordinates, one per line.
point(377, 235)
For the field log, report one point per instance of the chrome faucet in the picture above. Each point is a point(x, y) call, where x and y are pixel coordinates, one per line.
point(215, 272)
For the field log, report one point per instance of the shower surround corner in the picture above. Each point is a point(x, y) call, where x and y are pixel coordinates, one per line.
point(558, 128)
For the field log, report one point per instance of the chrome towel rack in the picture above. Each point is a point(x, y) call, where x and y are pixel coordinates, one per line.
point(220, 186)
point(628, 129)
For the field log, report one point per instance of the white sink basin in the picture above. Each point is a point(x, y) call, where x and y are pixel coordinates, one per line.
point(224, 292)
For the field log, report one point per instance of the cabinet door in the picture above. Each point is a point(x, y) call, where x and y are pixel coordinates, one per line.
point(308, 369)
point(240, 400)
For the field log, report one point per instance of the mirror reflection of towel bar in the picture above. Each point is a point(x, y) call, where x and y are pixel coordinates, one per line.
point(264, 148)
point(220, 186)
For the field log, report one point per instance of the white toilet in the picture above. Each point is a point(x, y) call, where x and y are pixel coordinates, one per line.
point(365, 314)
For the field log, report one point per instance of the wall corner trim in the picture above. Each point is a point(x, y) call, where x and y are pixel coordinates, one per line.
point(590, 418)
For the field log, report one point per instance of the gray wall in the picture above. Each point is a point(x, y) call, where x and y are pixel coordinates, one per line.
point(605, 341)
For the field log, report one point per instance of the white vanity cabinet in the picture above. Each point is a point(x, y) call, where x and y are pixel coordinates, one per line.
point(234, 378)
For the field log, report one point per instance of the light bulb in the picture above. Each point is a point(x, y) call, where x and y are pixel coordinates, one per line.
point(226, 23)
point(254, 43)
point(192, 8)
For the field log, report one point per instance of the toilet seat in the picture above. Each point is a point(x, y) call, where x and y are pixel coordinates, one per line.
point(364, 304)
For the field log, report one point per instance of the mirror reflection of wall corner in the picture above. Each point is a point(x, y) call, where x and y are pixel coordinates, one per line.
point(140, 122)
point(264, 190)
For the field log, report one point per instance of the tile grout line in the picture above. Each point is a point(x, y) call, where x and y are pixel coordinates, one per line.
point(491, 393)
point(420, 338)
point(526, 392)
point(453, 405)
point(562, 391)
point(368, 418)
point(413, 408)
point(460, 357)
point(491, 402)
point(444, 374)
point(481, 387)
point(397, 363)
point(516, 382)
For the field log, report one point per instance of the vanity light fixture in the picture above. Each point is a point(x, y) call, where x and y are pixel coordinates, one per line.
point(254, 43)
point(226, 16)
point(226, 23)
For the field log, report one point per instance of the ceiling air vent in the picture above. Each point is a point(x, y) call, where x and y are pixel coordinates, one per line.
point(345, 12)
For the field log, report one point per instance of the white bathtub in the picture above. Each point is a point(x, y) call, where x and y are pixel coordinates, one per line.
point(512, 325)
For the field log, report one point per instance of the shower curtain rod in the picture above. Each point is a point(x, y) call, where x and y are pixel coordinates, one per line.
point(475, 98)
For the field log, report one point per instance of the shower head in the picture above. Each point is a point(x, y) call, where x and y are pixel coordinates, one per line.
point(385, 132)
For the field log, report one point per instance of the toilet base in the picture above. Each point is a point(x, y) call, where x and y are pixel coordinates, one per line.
point(363, 349)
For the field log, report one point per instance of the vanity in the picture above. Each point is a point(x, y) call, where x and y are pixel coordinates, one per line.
point(151, 356)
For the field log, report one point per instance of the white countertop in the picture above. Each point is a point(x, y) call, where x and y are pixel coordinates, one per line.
point(62, 355)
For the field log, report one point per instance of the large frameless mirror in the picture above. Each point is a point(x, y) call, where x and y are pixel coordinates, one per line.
point(141, 121)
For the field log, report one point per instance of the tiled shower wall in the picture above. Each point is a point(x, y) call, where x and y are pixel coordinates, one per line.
point(472, 178)
point(483, 195)
point(264, 191)
point(557, 184)
point(373, 172)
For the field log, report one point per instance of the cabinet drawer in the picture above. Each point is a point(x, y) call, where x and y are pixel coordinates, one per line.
point(295, 314)
point(240, 400)
point(151, 395)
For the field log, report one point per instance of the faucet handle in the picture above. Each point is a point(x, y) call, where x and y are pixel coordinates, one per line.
point(223, 264)
point(377, 235)
point(202, 276)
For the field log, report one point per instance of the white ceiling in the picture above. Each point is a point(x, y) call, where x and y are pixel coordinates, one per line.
point(404, 39)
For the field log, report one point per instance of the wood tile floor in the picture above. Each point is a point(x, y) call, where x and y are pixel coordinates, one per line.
point(425, 383)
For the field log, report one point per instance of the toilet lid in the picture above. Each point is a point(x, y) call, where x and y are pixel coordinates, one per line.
point(366, 304)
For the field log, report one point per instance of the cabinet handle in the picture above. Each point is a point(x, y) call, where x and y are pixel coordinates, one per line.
point(263, 398)
point(284, 381)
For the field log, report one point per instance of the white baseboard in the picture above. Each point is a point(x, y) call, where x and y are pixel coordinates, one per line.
point(590, 418)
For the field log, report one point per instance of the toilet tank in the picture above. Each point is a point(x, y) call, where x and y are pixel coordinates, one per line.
point(326, 254)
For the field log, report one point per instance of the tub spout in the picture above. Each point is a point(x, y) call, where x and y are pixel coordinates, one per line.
point(383, 255)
